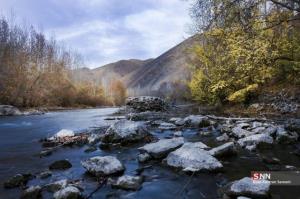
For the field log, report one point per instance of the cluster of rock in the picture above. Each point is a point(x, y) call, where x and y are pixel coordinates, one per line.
point(8, 110)
point(146, 103)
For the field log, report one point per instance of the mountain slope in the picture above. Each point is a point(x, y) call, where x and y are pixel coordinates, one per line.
point(146, 77)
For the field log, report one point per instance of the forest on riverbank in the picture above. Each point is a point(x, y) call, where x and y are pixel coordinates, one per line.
point(38, 71)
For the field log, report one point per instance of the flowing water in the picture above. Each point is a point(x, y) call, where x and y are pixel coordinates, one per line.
point(19, 143)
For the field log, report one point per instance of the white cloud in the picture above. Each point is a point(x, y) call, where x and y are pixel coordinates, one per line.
point(141, 34)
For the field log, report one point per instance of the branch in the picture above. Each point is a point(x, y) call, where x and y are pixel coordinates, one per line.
point(285, 5)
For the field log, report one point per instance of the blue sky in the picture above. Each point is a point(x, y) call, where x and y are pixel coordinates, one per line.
point(104, 31)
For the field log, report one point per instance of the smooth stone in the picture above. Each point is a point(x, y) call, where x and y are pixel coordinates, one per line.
point(127, 182)
point(69, 192)
point(125, 131)
point(178, 134)
point(257, 139)
point(196, 121)
point(17, 181)
point(144, 157)
point(60, 165)
point(33, 192)
point(103, 165)
point(57, 185)
point(223, 150)
point(238, 132)
point(161, 148)
point(246, 187)
point(191, 157)
point(45, 174)
point(223, 138)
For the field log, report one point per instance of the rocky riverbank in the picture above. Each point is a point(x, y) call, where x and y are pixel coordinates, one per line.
point(182, 144)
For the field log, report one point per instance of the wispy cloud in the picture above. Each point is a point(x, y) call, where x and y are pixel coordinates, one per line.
point(106, 31)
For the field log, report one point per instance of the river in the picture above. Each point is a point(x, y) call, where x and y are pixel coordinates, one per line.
point(20, 146)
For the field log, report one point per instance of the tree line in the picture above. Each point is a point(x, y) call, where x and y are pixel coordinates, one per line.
point(246, 45)
point(37, 71)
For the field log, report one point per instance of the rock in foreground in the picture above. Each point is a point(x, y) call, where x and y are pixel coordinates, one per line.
point(146, 103)
point(127, 182)
point(60, 164)
point(103, 166)
point(246, 187)
point(17, 180)
point(125, 131)
point(70, 192)
point(192, 157)
point(161, 148)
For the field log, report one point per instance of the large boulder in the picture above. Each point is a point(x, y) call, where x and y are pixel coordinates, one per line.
point(125, 131)
point(246, 187)
point(239, 132)
point(146, 103)
point(192, 157)
point(8, 110)
point(224, 150)
point(56, 186)
point(196, 121)
point(285, 137)
point(127, 182)
point(60, 165)
point(255, 140)
point(17, 181)
point(161, 148)
point(69, 192)
point(103, 166)
point(33, 192)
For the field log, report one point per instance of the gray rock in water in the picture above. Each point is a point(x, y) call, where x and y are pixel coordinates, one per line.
point(146, 103)
point(60, 164)
point(242, 197)
point(17, 181)
point(284, 137)
point(127, 182)
point(192, 157)
point(103, 166)
point(33, 192)
point(8, 110)
point(257, 130)
point(243, 125)
point(223, 138)
point(246, 187)
point(196, 121)
point(178, 134)
point(125, 131)
point(144, 157)
point(177, 121)
point(69, 192)
point(45, 174)
point(161, 148)
point(238, 132)
point(57, 185)
point(223, 150)
point(257, 139)
point(94, 138)
point(167, 126)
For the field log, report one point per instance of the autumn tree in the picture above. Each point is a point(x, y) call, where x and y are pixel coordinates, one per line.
point(118, 93)
point(245, 44)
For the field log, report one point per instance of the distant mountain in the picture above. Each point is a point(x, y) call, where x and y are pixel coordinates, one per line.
point(144, 77)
